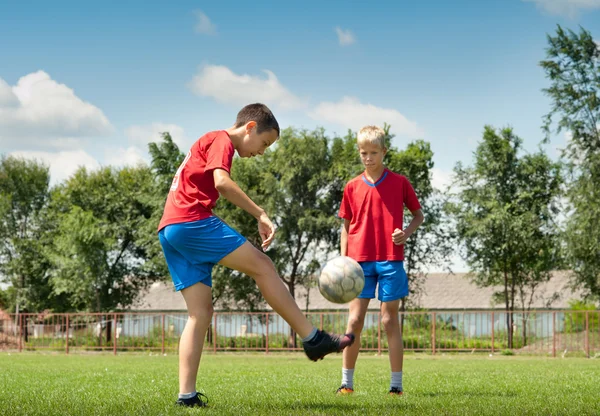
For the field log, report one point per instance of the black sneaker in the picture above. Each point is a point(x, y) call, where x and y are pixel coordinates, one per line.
point(195, 401)
point(395, 391)
point(325, 343)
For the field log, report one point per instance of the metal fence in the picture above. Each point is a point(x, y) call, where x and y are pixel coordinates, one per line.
point(552, 333)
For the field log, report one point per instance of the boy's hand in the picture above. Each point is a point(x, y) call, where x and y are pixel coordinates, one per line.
point(399, 237)
point(266, 229)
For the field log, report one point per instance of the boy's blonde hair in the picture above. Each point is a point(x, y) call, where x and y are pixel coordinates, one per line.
point(371, 134)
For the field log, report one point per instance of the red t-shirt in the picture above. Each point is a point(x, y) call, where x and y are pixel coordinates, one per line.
point(375, 210)
point(193, 194)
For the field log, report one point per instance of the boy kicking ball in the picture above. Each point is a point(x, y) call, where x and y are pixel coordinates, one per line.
point(194, 240)
point(372, 208)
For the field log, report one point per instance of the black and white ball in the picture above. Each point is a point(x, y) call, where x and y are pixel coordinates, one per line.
point(341, 280)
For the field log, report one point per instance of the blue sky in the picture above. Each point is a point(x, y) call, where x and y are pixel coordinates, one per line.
point(92, 84)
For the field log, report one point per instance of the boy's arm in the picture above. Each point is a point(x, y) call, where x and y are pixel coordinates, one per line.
point(344, 238)
point(234, 194)
point(399, 236)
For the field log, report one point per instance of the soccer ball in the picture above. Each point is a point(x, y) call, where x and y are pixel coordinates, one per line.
point(341, 280)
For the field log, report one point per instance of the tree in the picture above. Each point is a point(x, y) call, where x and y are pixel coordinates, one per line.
point(573, 68)
point(433, 242)
point(504, 217)
point(24, 195)
point(96, 255)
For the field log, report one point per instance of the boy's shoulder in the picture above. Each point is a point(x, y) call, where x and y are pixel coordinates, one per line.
point(397, 175)
point(209, 137)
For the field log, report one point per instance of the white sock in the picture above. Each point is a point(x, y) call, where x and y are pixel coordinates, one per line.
point(187, 395)
point(396, 380)
point(348, 377)
point(310, 337)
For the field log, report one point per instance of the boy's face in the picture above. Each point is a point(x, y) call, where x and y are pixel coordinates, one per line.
point(254, 143)
point(371, 155)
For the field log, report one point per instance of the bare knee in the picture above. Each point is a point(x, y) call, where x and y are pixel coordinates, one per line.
point(201, 313)
point(390, 322)
point(356, 323)
point(263, 268)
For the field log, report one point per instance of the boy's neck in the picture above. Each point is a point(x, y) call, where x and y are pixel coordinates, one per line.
point(236, 134)
point(374, 174)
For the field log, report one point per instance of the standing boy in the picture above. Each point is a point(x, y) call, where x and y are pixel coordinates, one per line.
point(372, 208)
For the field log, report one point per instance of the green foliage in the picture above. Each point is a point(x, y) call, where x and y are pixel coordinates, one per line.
point(24, 196)
point(504, 215)
point(97, 250)
point(576, 322)
point(573, 69)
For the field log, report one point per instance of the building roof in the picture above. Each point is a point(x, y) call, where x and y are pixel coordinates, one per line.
point(441, 291)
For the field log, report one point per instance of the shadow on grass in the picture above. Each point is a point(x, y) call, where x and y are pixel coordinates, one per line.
point(467, 394)
point(345, 406)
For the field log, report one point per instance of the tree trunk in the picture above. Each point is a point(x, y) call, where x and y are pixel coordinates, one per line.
point(507, 308)
point(293, 342)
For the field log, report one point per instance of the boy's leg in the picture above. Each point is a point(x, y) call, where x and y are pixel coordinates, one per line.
point(198, 299)
point(356, 321)
point(393, 286)
point(391, 323)
point(248, 260)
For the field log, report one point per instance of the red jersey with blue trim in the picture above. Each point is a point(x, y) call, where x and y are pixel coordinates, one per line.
point(375, 210)
point(193, 194)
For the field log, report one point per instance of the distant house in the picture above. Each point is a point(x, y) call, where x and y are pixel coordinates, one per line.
point(441, 292)
point(453, 297)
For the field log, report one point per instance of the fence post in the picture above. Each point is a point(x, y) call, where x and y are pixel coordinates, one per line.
point(493, 325)
point(379, 333)
point(114, 334)
point(67, 336)
point(433, 317)
point(163, 334)
point(587, 333)
point(215, 332)
point(20, 332)
point(267, 338)
point(554, 334)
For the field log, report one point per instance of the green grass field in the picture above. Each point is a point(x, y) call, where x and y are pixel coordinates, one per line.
point(135, 384)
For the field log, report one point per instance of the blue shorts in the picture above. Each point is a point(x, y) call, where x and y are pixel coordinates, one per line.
point(392, 279)
point(193, 248)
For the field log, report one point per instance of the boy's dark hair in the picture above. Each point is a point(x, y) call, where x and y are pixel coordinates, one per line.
point(260, 113)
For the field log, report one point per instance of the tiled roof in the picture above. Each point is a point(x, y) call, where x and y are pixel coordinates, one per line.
point(442, 291)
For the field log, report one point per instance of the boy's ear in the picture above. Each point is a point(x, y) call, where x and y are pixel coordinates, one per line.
point(249, 126)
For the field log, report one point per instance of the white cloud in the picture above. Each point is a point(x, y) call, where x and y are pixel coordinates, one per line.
point(38, 111)
point(142, 135)
point(225, 86)
point(203, 24)
point(441, 179)
point(138, 138)
point(8, 99)
point(568, 8)
point(62, 164)
point(130, 156)
point(345, 37)
point(349, 112)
